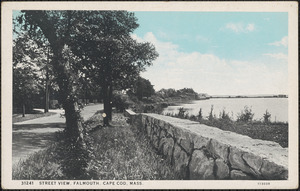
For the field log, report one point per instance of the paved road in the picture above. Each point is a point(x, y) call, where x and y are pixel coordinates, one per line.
point(86, 113)
point(33, 135)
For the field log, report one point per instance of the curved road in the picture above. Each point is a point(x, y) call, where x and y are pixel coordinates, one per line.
point(33, 135)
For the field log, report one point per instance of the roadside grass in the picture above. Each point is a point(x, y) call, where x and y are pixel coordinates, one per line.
point(42, 165)
point(18, 117)
point(118, 152)
point(124, 154)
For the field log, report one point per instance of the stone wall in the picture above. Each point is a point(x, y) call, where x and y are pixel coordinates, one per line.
point(201, 152)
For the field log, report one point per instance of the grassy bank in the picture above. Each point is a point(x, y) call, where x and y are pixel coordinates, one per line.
point(122, 153)
point(116, 152)
point(270, 131)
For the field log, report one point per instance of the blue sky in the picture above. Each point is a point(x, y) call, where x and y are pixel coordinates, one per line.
point(217, 52)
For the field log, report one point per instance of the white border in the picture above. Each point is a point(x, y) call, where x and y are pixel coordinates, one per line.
point(6, 84)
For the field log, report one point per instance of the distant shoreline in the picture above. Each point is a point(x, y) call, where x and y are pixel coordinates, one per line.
point(283, 96)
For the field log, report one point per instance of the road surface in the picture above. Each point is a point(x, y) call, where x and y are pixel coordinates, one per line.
point(33, 135)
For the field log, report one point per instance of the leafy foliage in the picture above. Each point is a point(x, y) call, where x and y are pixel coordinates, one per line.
point(267, 117)
point(246, 115)
point(143, 88)
point(211, 116)
point(200, 116)
point(271, 131)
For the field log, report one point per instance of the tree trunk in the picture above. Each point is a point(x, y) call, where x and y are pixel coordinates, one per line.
point(47, 86)
point(106, 105)
point(67, 96)
point(74, 127)
point(23, 110)
point(109, 114)
point(47, 97)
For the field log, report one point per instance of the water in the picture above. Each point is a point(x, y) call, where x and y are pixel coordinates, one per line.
point(277, 107)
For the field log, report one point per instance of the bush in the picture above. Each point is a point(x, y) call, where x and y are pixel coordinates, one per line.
point(210, 116)
point(246, 115)
point(181, 112)
point(224, 115)
point(200, 116)
point(120, 103)
point(267, 117)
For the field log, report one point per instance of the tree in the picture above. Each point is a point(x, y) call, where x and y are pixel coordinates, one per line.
point(25, 78)
point(143, 88)
point(56, 27)
point(110, 56)
point(267, 117)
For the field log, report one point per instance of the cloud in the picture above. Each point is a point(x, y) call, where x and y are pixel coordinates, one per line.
point(200, 38)
point(282, 42)
point(208, 73)
point(279, 56)
point(239, 27)
point(250, 27)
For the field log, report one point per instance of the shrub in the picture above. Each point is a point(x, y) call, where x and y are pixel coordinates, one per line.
point(267, 117)
point(120, 103)
point(181, 112)
point(210, 116)
point(246, 115)
point(224, 115)
point(200, 116)
point(186, 116)
point(193, 118)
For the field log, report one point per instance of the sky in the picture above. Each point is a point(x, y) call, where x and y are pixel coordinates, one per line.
point(218, 53)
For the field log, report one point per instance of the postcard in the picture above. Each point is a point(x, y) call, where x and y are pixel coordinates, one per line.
point(149, 95)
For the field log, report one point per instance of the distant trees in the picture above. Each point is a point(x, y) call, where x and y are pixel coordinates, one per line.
point(177, 93)
point(143, 88)
point(28, 66)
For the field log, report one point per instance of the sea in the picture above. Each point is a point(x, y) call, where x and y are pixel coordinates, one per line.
point(277, 107)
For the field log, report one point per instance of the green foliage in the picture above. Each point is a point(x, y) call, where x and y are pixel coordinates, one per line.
point(267, 117)
point(271, 131)
point(200, 116)
point(185, 92)
point(143, 88)
point(211, 116)
point(26, 84)
point(120, 102)
point(224, 115)
point(74, 159)
point(181, 112)
point(246, 115)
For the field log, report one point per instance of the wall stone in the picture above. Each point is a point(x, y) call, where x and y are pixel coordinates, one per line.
point(201, 167)
point(239, 175)
point(201, 152)
point(181, 161)
point(222, 169)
